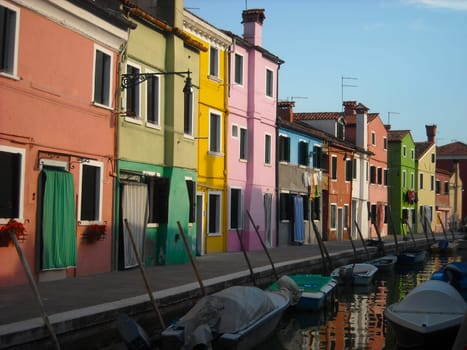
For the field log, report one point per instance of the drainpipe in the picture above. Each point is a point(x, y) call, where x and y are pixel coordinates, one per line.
point(276, 162)
point(226, 132)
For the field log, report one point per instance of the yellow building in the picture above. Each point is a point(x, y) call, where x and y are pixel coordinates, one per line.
point(211, 135)
point(426, 195)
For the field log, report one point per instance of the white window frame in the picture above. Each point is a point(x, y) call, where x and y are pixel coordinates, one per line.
point(111, 76)
point(99, 165)
point(404, 151)
point(333, 225)
point(218, 131)
point(404, 179)
point(266, 83)
point(22, 152)
point(240, 83)
point(216, 64)
point(373, 138)
point(267, 152)
point(218, 214)
point(240, 207)
point(245, 141)
point(14, 73)
point(412, 154)
point(137, 119)
point(158, 97)
point(385, 143)
point(234, 131)
point(412, 180)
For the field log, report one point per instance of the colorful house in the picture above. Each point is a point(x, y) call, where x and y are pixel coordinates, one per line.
point(375, 208)
point(251, 134)
point(299, 178)
point(453, 157)
point(425, 164)
point(157, 147)
point(57, 122)
point(443, 183)
point(211, 139)
point(401, 181)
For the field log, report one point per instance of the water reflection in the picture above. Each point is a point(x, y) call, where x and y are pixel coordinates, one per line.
point(356, 320)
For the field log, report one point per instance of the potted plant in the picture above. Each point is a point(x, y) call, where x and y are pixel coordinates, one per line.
point(94, 233)
point(12, 226)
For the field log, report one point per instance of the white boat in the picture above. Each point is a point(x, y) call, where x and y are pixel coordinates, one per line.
point(428, 317)
point(238, 317)
point(356, 274)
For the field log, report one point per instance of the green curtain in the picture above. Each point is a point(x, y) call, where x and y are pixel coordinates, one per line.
point(58, 221)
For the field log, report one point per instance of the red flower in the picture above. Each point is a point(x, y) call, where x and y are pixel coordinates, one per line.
point(15, 227)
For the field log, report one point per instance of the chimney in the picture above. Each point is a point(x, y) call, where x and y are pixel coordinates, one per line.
point(349, 108)
point(362, 126)
point(431, 133)
point(253, 25)
point(285, 110)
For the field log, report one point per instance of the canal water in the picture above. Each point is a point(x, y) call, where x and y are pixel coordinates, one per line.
point(356, 320)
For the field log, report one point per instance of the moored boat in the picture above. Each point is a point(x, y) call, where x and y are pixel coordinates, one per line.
point(444, 247)
point(454, 273)
point(356, 274)
point(428, 317)
point(385, 263)
point(411, 256)
point(238, 317)
point(316, 290)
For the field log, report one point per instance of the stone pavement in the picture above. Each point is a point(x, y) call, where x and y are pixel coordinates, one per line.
point(93, 302)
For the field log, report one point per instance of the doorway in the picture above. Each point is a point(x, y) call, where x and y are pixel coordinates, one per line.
point(200, 224)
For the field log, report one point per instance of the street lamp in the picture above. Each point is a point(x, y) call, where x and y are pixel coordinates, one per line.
point(131, 80)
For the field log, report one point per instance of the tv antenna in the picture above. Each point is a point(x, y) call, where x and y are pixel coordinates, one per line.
point(389, 116)
point(346, 85)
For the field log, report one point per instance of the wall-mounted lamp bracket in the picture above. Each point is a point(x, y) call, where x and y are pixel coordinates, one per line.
point(131, 80)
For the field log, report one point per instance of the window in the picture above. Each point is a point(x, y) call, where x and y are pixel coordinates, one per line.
point(11, 182)
point(269, 83)
point(404, 179)
point(234, 131)
point(303, 153)
point(446, 187)
point(433, 158)
point(214, 133)
point(284, 148)
point(188, 113)
point(91, 191)
point(158, 198)
point(238, 73)
point(412, 181)
point(334, 167)
point(267, 149)
point(236, 208)
point(380, 176)
point(133, 95)
point(9, 24)
point(152, 100)
point(243, 144)
point(214, 213)
point(333, 216)
point(385, 143)
point(354, 168)
point(372, 174)
point(438, 186)
point(317, 157)
point(404, 151)
point(102, 77)
point(340, 130)
point(432, 183)
point(348, 170)
point(373, 138)
point(421, 181)
point(412, 154)
point(214, 62)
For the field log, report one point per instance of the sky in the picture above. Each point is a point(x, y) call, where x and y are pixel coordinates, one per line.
point(403, 59)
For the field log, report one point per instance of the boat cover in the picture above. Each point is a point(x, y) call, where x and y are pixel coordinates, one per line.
point(227, 311)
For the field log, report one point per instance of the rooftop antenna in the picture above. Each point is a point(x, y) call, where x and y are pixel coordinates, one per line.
point(389, 116)
point(246, 4)
point(345, 85)
point(292, 98)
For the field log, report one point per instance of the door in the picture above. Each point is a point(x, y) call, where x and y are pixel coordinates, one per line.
point(56, 221)
point(267, 219)
point(200, 224)
point(340, 224)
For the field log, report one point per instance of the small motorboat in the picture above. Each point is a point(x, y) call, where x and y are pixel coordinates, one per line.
point(454, 273)
point(385, 263)
point(443, 246)
point(238, 317)
point(356, 274)
point(316, 290)
point(411, 256)
point(429, 316)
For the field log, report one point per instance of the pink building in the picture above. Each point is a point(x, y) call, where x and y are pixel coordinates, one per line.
point(57, 119)
point(252, 137)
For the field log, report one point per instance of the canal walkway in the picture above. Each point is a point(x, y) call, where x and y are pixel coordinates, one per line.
point(84, 309)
